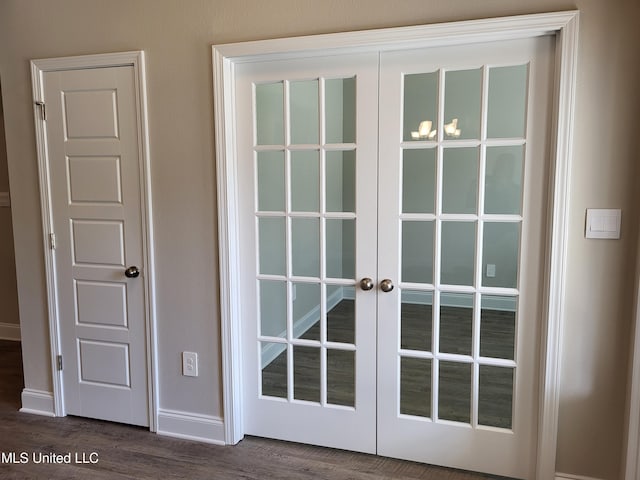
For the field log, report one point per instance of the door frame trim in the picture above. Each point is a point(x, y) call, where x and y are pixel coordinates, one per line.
point(562, 25)
point(135, 59)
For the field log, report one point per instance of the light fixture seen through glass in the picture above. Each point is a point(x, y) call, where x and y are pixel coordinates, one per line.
point(424, 131)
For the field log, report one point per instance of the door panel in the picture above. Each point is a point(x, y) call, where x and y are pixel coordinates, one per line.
point(432, 184)
point(93, 145)
point(310, 333)
point(458, 339)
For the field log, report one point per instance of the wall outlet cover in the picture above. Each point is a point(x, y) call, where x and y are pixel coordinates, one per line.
point(189, 364)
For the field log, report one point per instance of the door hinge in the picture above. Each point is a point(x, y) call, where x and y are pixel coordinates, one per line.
point(52, 241)
point(43, 109)
point(59, 362)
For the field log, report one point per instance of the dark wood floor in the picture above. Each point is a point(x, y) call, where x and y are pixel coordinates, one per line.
point(496, 384)
point(127, 452)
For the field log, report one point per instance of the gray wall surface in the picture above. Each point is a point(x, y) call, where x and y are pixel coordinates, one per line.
point(8, 287)
point(177, 37)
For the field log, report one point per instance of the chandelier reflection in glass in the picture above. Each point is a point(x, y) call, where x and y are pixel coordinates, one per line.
point(424, 131)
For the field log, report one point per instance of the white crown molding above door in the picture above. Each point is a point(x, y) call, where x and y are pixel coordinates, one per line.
point(562, 25)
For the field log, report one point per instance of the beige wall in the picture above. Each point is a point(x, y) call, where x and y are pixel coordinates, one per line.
point(8, 287)
point(177, 37)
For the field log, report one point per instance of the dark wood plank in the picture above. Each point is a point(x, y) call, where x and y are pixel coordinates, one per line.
point(497, 340)
point(127, 452)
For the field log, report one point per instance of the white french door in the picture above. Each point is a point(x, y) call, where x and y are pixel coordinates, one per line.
point(391, 224)
point(461, 214)
point(309, 150)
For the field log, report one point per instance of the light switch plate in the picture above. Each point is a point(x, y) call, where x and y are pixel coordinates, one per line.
point(603, 223)
point(5, 199)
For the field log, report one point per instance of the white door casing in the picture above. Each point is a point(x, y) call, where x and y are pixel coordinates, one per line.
point(562, 25)
point(93, 160)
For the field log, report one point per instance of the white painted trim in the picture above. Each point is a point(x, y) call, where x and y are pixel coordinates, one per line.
point(301, 325)
point(567, 476)
point(191, 426)
point(631, 462)
point(38, 402)
point(564, 25)
point(464, 300)
point(136, 60)
point(10, 331)
point(561, 156)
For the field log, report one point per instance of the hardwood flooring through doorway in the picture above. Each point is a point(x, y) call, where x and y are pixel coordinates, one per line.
point(127, 452)
point(497, 336)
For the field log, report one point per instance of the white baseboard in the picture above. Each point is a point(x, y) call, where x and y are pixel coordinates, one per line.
point(301, 325)
point(37, 402)
point(464, 300)
point(10, 331)
point(568, 476)
point(191, 426)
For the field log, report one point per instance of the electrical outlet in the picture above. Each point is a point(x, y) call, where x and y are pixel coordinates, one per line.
point(189, 364)
point(491, 270)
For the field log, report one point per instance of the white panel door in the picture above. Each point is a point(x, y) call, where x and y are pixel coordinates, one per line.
point(392, 214)
point(93, 151)
point(308, 160)
point(462, 200)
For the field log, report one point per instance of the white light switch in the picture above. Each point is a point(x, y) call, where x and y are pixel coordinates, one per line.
point(603, 223)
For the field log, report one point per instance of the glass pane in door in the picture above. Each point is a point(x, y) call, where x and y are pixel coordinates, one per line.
point(415, 386)
point(305, 247)
point(305, 181)
point(271, 189)
point(461, 194)
point(271, 241)
point(418, 181)
point(273, 357)
point(303, 102)
point(341, 244)
point(507, 101)
point(456, 323)
point(306, 373)
point(417, 252)
point(416, 320)
point(501, 244)
point(306, 299)
point(273, 308)
point(305, 172)
point(420, 106)
point(460, 180)
point(503, 182)
point(341, 314)
point(458, 253)
point(341, 377)
point(462, 102)
point(498, 326)
point(340, 110)
point(270, 114)
point(495, 396)
point(341, 181)
point(454, 395)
